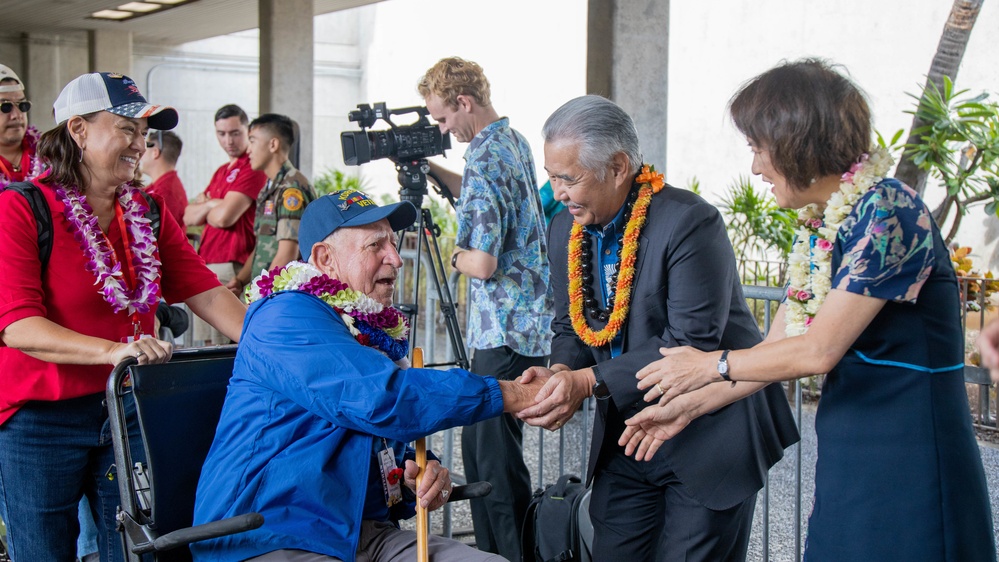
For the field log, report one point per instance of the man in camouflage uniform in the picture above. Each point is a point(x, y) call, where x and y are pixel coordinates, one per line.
point(281, 202)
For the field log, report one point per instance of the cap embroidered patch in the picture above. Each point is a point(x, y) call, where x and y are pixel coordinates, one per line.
point(358, 198)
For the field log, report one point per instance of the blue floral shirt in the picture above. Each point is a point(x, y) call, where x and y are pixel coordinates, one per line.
point(887, 244)
point(499, 212)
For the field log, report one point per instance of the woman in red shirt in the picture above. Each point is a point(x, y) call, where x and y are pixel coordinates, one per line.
point(64, 323)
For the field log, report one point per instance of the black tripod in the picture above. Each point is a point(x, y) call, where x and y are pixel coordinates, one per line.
point(412, 187)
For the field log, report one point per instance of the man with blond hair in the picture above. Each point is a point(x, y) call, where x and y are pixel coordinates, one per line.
point(501, 248)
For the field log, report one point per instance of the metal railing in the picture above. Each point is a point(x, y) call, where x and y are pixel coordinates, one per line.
point(570, 445)
point(977, 309)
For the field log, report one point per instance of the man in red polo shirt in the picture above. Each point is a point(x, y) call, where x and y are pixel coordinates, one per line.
point(226, 209)
point(17, 140)
point(160, 164)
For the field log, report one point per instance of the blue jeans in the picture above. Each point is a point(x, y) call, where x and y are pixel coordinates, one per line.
point(87, 541)
point(51, 455)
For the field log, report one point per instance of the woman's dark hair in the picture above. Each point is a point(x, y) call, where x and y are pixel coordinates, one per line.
point(812, 120)
point(60, 152)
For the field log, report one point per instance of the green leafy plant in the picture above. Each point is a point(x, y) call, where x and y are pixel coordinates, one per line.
point(332, 180)
point(694, 185)
point(958, 147)
point(757, 227)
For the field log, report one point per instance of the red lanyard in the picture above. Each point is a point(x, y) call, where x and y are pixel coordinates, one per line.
point(129, 269)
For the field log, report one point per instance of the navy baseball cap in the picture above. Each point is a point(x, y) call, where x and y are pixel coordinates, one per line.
point(114, 93)
point(347, 208)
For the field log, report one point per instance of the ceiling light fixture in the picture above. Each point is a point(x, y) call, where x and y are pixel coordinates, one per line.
point(132, 10)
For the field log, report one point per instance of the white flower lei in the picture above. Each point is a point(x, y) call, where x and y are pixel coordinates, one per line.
point(810, 263)
point(296, 275)
point(101, 259)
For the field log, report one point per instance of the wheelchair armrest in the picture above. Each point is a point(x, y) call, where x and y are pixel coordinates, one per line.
point(470, 491)
point(215, 529)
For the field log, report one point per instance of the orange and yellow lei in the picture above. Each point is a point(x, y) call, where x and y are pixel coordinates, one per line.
point(650, 182)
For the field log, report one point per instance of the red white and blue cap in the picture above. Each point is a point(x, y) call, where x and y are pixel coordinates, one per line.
point(114, 93)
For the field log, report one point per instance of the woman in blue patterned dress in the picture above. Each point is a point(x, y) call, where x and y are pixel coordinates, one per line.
point(872, 300)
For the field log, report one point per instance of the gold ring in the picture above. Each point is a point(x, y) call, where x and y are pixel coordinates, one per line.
point(659, 385)
point(140, 354)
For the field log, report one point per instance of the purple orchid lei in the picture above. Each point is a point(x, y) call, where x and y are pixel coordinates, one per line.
point(384, 328)
point(35, 168)
point(101, 258)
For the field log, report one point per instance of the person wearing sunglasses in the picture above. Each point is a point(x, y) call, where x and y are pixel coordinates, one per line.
point(18, 161)
point(160, 164)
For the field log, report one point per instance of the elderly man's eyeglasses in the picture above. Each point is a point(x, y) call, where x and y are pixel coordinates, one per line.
point(7, 106)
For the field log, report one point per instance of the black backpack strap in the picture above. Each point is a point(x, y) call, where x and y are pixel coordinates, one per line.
point(43, 217)
point(153, 214)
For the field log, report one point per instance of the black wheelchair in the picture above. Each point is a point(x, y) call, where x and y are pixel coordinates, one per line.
point(178, 405)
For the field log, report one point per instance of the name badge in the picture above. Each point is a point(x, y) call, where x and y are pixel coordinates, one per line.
point(391, 476)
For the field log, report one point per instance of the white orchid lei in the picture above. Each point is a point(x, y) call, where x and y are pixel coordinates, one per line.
point(101, 258)
point(383, 327)
point(810, 263)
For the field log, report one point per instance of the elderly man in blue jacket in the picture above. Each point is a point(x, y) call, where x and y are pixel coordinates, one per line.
point(322, 403)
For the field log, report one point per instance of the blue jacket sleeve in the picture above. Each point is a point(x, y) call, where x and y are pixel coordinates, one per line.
point(295, 344)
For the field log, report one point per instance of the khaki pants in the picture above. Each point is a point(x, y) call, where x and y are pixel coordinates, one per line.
point(203, 332)
point(383, 542)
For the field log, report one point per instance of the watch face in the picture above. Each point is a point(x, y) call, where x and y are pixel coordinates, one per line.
point(600, 390)
point(723, 367)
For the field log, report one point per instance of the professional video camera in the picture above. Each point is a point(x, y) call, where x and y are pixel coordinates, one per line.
point(401, 143)
point(407, 145)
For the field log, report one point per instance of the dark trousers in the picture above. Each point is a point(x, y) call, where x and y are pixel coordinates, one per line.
point(493, 450)
point(641, 511)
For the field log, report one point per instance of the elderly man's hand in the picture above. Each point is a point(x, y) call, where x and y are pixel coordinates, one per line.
point(520, 392)
point(434, 488)
point(559, 398)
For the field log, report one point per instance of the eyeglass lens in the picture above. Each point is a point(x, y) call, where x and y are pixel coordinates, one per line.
point(7, 106)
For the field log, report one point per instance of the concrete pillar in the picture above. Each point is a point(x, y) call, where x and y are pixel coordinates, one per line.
point(49, 63)
point(627, 60)
point(111, 51)
point(286, 67)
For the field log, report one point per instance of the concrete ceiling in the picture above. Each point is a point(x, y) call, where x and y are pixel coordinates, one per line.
point(191, 22)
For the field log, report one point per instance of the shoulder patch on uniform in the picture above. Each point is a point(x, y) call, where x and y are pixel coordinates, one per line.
point(293, 199)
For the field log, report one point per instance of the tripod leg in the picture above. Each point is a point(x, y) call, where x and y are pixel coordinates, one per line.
point(447, 306)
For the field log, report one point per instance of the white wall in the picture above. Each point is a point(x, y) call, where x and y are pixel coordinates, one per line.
point(887, 47)
point(532, 52)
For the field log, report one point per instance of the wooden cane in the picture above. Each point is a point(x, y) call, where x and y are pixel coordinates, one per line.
point(422, 523)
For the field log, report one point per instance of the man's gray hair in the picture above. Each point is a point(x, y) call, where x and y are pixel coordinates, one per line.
point(600, 128)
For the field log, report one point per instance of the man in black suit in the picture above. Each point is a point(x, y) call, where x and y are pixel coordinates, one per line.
point(694, 500)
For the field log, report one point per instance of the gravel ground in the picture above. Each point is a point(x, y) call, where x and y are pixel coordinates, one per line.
point(782, 488)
